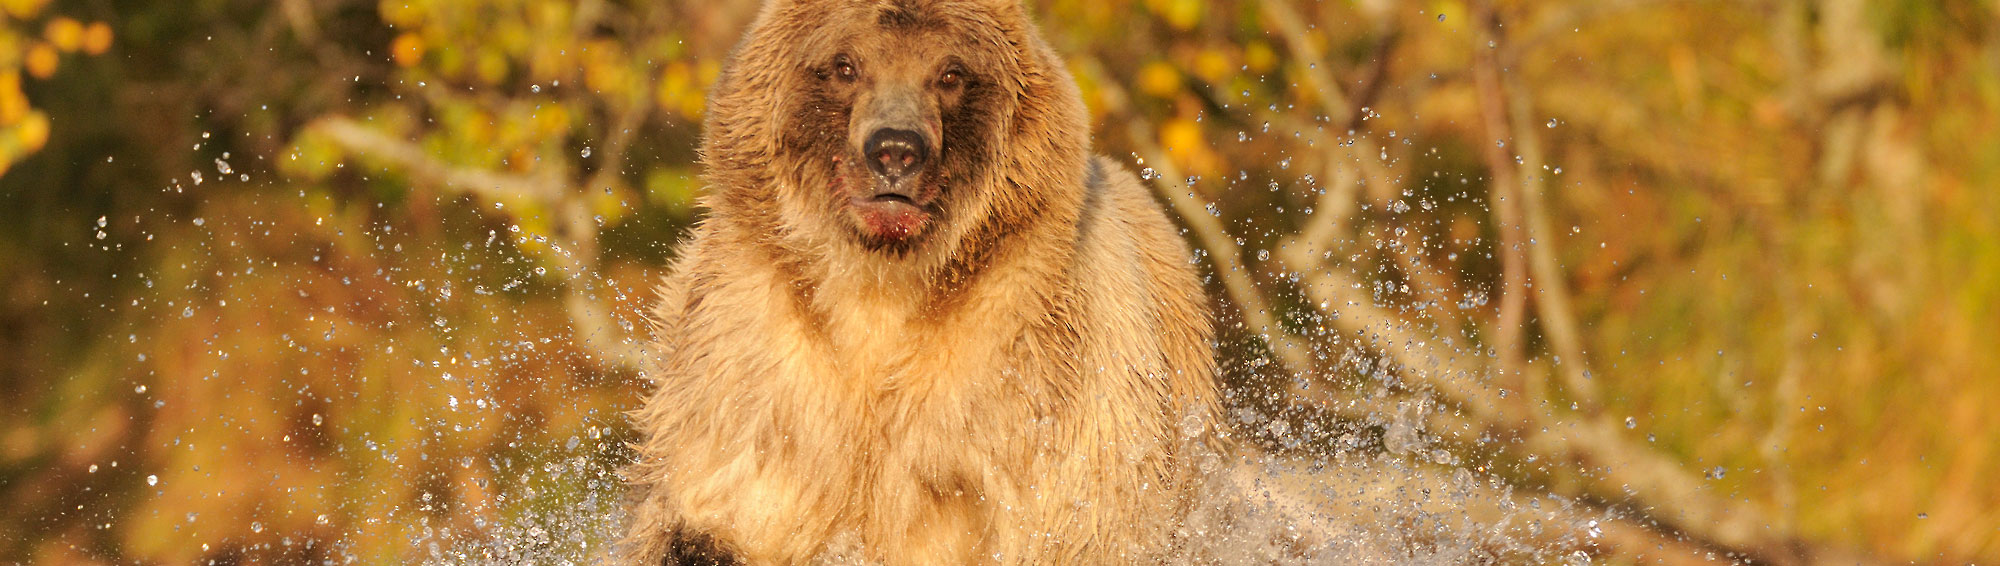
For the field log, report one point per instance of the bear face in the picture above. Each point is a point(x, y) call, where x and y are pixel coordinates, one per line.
point(879, 124)
point(890, 123)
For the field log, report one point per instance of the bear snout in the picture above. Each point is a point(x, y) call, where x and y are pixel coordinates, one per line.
point(896, 154)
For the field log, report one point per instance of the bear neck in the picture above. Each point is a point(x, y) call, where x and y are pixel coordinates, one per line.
point(1026, 245)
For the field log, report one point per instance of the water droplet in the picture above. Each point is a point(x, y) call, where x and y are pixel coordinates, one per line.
point(139, 389)
point(586, 152)
point(152, 480)
point(321, 519)
point(222, 167)
point(1440, 17)
point(1148, 174)
point(317, 420)
point(535, 88)
point(200, 221)
point(102, 221)
point(256, 527)
point(1631, 423)
point(1552, 122)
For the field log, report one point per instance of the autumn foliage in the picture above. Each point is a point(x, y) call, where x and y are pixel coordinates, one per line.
point(338, 279)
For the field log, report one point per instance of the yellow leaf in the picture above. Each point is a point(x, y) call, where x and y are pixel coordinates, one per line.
point(22, 9)
point(604, 75)
point(34, 132)
point(492, 66)
point(407, 49)
point(40, 60)
point(65, 33)
point(610, 205)
point(1181, 14)
point(551, 120)
point(400, 13)
point(1184, 142)
point(97, 38)
point(13, 103)
point(1181, 135)
point(1260, 57)
point(671, 188)
point(1212, 65)
point(692, 106)
point(1159, 79)
point(676, 85)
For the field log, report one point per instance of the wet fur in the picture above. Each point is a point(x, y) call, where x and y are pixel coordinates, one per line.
point(1028, 380)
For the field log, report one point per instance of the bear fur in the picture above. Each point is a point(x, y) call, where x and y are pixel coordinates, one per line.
point(981, 346)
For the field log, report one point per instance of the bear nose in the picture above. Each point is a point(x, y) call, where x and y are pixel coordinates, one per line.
point(895, 153)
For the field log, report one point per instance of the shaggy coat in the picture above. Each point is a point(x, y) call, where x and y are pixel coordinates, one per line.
point(1005, 359)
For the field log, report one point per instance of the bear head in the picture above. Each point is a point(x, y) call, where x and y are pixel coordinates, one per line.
point(894, 130)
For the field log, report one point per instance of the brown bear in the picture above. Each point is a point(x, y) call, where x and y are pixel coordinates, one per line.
point(920, 324)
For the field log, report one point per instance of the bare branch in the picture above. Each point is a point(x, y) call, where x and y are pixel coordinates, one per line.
point(1329, 220)
point(590, 320)
point(1629, 470)
point(1436, 290)
point(1423, 358)
point(1504, 201)
point(1552, 288)
point(1279, 14)
point(413, 160)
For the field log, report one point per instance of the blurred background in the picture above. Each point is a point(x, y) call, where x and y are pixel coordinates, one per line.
point(359, 281)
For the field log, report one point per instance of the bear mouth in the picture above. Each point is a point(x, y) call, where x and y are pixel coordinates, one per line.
point(897, 203)
point(892, 213)
point(885, 212)
point(888, 197)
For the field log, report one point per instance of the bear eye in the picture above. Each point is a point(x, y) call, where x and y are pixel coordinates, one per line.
point(843, 68)
point(950, 78)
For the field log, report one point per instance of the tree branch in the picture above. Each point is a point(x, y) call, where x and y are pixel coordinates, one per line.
point(1552, 288)
point(590, 322)
point(368, 142)
point(1503, 190)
